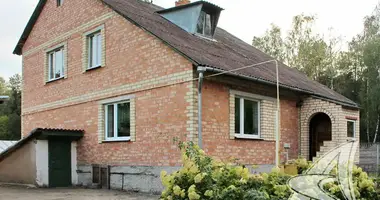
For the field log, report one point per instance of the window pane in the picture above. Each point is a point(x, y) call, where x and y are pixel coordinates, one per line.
point(237, 115)
point(201, 21)
point(208, 25)
point(94, 51)
point(110, 121)
point(251, 117)
point(99, 50)
point(58, 72)
point(123, 120)
point(51, 66)
point(90, 47)
point(350, 129)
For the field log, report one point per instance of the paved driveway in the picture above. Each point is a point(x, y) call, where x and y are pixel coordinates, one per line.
point(22, 193)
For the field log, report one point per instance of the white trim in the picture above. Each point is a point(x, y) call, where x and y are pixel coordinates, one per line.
point(118, 139)
point(42, 163)
point(95, 60)
point(252, 96)
point(354, 128)
point(245, 136)
point(52, 51)
point(74, 164)
point(115, 121)
point(92, 31)
point(241, 113)
point(117, 99)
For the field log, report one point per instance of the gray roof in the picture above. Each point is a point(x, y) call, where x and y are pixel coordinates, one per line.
point(226, 53)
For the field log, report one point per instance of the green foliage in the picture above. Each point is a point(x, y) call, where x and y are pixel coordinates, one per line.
point(300, 48)
point(4, 124)
point(355, 72)
point(203, 177)
point(11, 109)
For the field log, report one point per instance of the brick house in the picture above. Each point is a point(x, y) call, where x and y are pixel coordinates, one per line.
point(125, 72)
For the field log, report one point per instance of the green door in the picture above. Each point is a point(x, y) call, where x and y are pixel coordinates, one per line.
point(59, 163)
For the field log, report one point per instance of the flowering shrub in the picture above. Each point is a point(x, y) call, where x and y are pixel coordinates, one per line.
point(202, 177)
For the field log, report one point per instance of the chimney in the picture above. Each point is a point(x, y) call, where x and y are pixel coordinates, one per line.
point(182, 2)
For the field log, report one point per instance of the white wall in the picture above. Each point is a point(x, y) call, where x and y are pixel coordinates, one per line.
point(74, 174)
point(42, 163)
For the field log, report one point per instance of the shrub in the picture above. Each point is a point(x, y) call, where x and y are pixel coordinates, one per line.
point(202, 177)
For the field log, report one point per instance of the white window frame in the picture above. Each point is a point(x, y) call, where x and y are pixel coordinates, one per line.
point(115, 112)
point(204, 19)
point(241, 113)
point(98, 52)
point(354, 135)
point(53, 52)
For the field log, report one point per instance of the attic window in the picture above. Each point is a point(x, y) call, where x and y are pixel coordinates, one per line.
point(59, 3)
point(204, 26)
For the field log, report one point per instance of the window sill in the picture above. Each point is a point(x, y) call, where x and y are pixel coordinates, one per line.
point(117, 140)
point(244, 137)
point(93, 68)
point(56, 79)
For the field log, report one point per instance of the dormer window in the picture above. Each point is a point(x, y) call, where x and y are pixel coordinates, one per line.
point(59, 3)
point(204, 24)
point(199, 18)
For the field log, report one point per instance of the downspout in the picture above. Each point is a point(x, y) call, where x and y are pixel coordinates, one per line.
point(201, 70)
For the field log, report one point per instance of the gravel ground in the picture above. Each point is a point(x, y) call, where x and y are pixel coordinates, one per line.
point(23, 193)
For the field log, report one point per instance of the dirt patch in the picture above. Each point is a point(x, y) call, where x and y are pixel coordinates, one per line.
point(23, 193)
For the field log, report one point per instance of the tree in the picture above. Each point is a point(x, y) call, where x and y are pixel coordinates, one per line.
point(14, 107)
point(355, 73)
point(272, 43)
point(3, 87)
point(302, 49)
point(10, 111)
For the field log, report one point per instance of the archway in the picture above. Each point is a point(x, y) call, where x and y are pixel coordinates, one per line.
point(319, 131)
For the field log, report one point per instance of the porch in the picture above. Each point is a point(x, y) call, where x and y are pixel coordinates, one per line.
point(324, 125)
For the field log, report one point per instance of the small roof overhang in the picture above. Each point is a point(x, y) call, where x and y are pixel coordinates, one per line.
point(44, 134)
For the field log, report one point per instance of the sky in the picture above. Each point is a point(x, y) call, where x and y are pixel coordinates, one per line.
point(243, 18)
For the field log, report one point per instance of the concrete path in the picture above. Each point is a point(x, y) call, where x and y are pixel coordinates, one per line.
point(22, 193)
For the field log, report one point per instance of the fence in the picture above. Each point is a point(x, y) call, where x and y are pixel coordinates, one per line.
point(370, 158)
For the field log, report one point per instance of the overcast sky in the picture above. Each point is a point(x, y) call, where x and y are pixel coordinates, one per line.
point(243, 18)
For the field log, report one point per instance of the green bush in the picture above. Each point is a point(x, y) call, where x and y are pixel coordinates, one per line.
point(202, 177)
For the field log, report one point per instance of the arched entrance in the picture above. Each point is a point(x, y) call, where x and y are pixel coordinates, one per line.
point(319, 131)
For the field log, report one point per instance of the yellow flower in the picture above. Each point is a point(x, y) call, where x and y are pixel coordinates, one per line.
point(163, 174)
point(194, 196)
point(177, 190)
point(194, 169)
point(209, 193)
point(198, 178)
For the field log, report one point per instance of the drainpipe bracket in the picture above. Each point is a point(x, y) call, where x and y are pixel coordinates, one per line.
point(201, 69)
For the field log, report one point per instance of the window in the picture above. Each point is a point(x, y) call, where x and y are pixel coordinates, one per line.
point(247, 118)
point(94, 50)
point(351, 128)
point(204, 25)
point(117, 121)
point(59, 3)
point(56, 64)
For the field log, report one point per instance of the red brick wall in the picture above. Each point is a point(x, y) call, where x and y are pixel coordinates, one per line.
point(157, 124)
point(131, 55)
point(216, 129)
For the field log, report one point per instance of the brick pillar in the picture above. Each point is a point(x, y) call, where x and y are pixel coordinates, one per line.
point(182, 2)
